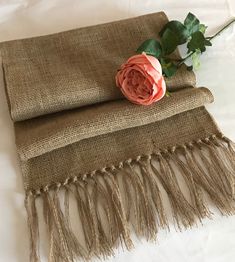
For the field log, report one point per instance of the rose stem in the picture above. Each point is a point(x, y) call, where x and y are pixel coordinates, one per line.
point(208, 38)
point(221, 30)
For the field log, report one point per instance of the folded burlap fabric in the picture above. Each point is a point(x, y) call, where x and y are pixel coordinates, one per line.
point(77, 138)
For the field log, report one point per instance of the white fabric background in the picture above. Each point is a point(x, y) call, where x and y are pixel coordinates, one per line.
point(213, 242)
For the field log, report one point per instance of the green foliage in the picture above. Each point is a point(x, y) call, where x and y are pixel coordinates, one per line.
point(173, 34)
point(178, 29)
point(202, 28)
point(169, 41)
point(168, 94)
point(198, 41)
point(150, 47)
point(168, 67)
point(192, 23)
point(195, 59)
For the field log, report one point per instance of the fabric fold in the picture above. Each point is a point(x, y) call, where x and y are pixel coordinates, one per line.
point(41, 135)
point(76, 68)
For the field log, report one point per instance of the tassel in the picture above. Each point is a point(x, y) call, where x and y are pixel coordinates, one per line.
point(195, 190)
point(105, 247)
point(183, 212)
point(146, 224)
point(55, 250)
point(86, 211)
point(77, 247)
point(60, 249)
point(112, 201)
point(213, 168)
point(33, 227)
point(103, 197)
point(64, 246)
point(128, 195)
point(121, 221)
point(153, 192)
point(207, 180)
point(219, 161)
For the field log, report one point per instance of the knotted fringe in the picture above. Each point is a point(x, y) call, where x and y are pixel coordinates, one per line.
point(114, 201)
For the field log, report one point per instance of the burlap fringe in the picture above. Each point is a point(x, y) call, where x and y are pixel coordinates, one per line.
point(114, 201)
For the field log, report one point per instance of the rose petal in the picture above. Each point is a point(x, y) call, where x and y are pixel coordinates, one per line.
point(154, 62)
point(160, 94)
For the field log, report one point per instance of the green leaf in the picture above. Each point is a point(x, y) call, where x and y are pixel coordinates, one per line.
point(195, 59)
point(178, 29)
point(192, 23)
point(198, 41)
point(169, 41)
point(168, 67)
point(202, 28)
point(150, 47)
point(208, 42)
point(168, 94)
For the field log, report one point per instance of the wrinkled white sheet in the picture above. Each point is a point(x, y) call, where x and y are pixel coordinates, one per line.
point(215, 241)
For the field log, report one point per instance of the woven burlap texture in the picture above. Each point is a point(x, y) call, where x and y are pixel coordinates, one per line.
point(76, 134)
point(75, 68)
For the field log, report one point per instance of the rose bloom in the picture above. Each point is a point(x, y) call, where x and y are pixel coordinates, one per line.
point(140, 79)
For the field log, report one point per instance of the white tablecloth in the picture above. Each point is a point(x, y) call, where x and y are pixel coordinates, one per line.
point(215, 241)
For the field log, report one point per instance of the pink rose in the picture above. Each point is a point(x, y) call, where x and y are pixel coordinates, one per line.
point(140, 79)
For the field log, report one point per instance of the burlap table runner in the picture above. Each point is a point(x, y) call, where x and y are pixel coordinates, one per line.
point(77, 137)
